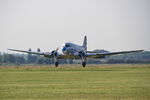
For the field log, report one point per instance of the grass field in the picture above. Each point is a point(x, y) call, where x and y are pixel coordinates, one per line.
point(95, 82)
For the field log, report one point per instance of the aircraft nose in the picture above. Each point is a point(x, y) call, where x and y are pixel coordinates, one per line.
point(64, 48)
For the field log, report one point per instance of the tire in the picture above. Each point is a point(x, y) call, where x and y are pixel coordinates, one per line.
point(56, 64)
point(83, 64)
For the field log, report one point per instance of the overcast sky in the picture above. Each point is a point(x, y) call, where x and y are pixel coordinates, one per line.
point(114, 25)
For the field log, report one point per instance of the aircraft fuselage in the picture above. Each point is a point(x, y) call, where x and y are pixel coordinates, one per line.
point(71, 49)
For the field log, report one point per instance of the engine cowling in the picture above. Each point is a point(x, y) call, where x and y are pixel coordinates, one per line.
point(82, 54)
point(54, 53)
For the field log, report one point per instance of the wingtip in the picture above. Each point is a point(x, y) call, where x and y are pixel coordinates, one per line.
point(9, 49)
point(140, 50)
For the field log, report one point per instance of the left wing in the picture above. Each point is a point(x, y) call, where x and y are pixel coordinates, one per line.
point(101, 55)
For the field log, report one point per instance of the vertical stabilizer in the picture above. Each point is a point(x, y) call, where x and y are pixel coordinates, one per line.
point(85, 43)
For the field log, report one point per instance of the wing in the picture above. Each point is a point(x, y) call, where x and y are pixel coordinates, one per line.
point(102, 55)
point(31, 52)
point(45, 54)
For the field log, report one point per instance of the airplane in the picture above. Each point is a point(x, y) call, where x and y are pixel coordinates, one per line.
point(74, 51)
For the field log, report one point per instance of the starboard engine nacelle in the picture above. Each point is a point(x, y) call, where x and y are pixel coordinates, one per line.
point(82, 54)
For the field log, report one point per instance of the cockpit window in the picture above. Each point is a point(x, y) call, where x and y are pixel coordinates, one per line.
point(67, 45)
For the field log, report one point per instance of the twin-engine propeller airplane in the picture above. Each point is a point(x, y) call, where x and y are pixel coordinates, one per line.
point(74, 51)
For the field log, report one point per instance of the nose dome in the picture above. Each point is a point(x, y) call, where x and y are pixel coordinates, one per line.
point(64, 48)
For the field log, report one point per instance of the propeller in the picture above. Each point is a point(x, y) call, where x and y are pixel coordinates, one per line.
point(54, 54)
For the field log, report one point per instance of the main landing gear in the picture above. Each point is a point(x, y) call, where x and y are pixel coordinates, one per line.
point(56, 64)
point(82, 55)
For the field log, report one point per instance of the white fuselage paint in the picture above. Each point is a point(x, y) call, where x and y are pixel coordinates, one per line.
point(71, 49)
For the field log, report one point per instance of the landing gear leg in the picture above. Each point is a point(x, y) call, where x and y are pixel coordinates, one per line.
point(56, 61)
point(56, 64)
point(83, 61)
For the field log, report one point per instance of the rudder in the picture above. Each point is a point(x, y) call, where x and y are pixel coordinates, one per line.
point(85, 43)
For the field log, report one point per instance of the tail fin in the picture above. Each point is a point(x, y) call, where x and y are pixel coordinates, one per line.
point(85, 43)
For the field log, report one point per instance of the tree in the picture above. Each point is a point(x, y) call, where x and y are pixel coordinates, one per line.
point(38, 50)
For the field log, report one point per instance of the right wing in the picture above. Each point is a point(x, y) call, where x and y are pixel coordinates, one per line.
point(38, 53)
point(45, 54)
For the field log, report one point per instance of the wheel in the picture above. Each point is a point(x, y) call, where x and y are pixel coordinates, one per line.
point(56, 64)
point(83, 64)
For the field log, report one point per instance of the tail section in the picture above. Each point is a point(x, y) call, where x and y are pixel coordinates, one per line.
point(85, 43)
